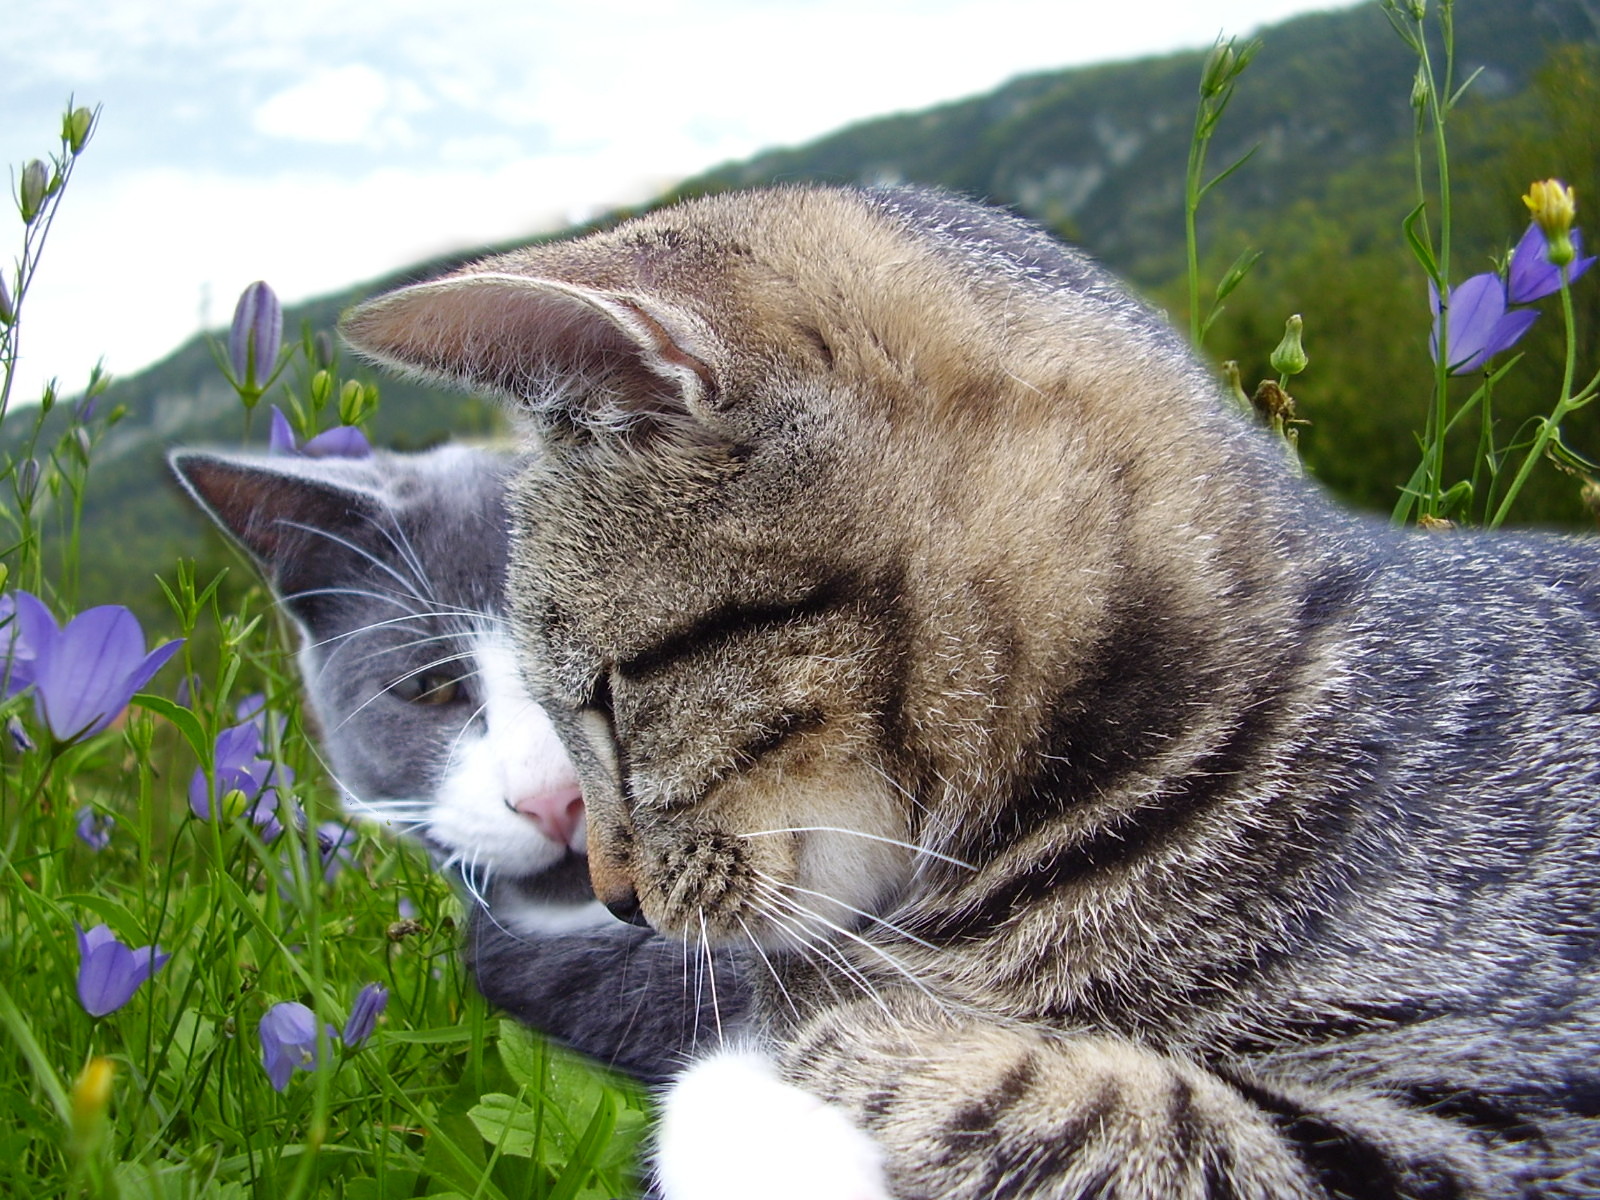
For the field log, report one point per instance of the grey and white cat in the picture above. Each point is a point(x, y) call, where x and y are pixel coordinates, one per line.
point(1106, 812)
point(392, 567)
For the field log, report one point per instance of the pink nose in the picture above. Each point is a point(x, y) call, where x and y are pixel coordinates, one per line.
point(556, 812)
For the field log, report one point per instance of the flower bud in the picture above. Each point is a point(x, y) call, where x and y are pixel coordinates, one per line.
point(89, 1102)
point(1289, 358)
point(34, 188)
point(322, 349)
point(75, 127)
point(8, 311)
point(1553, 206)
point(27, 481)
point(255, 338)
point(234, 804)
point(1419, 8)
point(81, 445)
point(1235, 385)
point(47, 398)
point(321, 389)
point(356, 402)
point(1218, 69)
point(1419, 90)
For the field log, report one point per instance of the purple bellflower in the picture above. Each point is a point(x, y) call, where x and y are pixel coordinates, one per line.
point(109, 973)
point(364, 1014)
point(288, 1041)
point(1532, 276)
point(256, 336)
point(342, 441)
point(1482, 319)
point(335, 843)
point(94, 828)
point(16, 655)
point(85, 673)
point(1480, 325)
point(238, 766)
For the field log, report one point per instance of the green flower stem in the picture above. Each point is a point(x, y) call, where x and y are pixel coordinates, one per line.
point(1566, 404)
point(1438, 108)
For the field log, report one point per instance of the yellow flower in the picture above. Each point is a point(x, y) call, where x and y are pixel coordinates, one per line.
point(90, 1101)
point(1553, 207)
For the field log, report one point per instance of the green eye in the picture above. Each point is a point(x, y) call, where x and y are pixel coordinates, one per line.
point(426, 687)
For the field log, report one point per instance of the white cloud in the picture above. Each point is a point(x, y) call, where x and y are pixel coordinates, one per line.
point(625, 95)
point(348, 105)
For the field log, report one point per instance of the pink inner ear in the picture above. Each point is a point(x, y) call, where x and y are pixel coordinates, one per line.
point(532, 341)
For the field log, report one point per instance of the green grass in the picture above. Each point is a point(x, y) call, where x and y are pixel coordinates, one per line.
point(167, 1095)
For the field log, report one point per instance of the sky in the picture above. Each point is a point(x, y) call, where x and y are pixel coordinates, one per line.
point(317, 145)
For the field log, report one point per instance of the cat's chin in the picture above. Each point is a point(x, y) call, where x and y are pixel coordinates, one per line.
point(564, 882)
point(558, 900)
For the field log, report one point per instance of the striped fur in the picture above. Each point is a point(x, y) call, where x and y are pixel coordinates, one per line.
point(1101, 811)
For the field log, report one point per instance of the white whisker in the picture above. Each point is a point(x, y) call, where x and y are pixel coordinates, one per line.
point(834, 954)
point(873, 917)
point(915, 849)
point(711, 975)
point(408, 585)
point(805, 911)
point(771, 970)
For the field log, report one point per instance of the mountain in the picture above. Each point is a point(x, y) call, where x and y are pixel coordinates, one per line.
point(1097, 154)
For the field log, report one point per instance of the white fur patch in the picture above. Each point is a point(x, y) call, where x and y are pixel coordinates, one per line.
point(732, 1130)
point(535, 918)
point(517, 754)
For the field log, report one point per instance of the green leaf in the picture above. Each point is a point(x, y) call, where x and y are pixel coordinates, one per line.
point(456, 1156)
point(448, 1035)
point(1419, 245)
point(1558, 449)
point(188, 724)
point(1229, 170)
point(1236, 273)
point(524, 1054)
point(581, 1165)
point(518, 1130)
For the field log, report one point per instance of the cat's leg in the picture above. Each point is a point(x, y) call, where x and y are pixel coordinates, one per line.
point(623, 995)
point(967, 1109)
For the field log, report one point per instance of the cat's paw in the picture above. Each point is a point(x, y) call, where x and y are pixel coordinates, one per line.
point(731, 1130)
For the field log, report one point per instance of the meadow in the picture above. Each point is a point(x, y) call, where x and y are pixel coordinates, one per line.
point(217, 985)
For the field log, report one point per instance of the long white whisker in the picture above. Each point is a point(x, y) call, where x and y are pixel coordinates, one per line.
point(806, 912)
point(915, 849)
point(711, 975)
point(771, 970)
point(834, 953)
point(873, 917)
point(359, 593)
point(412, 615)
point(407, 585)
point(395, 535)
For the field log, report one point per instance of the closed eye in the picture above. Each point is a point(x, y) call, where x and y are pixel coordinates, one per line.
point(599, 698)
point(733, 620)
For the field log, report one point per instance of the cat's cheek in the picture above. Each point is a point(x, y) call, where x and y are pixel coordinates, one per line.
point(731, 1129)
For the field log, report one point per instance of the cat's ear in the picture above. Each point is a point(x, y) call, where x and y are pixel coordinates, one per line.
point(565, 353)
point(275, 508)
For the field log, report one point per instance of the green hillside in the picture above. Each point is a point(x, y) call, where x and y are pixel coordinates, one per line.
point(1098, 155)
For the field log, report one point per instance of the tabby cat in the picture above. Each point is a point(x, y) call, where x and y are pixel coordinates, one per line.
point(1103, 811)
point(392, 568)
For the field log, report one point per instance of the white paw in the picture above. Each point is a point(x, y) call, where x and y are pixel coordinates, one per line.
point(732, 1130)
